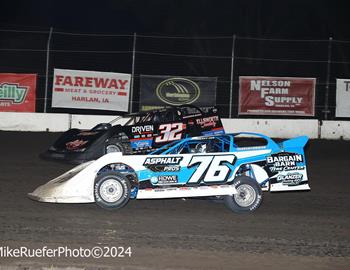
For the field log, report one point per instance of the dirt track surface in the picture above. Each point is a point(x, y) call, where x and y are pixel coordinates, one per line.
point(301, 230)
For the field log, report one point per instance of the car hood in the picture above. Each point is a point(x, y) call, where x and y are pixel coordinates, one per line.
point(76, 140)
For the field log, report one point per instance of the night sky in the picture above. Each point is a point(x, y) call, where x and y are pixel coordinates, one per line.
point(262, 18)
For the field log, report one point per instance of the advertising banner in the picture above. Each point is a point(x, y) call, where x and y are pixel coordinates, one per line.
point(17, 92)
point(91, 90)
point(343, 98)
point(276, 96)
point(162, 91)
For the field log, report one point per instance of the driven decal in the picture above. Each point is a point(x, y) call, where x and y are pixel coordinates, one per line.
point(142, 129)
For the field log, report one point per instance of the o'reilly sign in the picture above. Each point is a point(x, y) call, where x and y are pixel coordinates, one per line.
point(161, 91)
point(13, 93)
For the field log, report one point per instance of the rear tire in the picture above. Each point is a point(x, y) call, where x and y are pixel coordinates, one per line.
point(248, 197)
point(114, 146)
point(112, 190)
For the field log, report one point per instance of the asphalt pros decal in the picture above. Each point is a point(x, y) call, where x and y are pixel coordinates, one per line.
point(162, 161)
point(163, 164)
point(285, 162)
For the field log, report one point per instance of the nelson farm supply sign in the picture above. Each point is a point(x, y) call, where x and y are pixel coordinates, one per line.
point(91, 90)
point(276, 96)
point(17, 92)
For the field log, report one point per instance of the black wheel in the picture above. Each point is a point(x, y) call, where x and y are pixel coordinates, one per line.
point(112, 190)
point(114, 146)
point(248, 197)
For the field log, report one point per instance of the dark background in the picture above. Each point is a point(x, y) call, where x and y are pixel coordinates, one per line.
point(273, 38)
point(263, 18)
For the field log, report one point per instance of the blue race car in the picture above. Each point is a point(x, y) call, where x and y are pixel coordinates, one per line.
point(235, 167)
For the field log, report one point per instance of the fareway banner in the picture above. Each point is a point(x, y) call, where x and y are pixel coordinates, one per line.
point(17, 92)
point(91, 90)
point(276, 96)
point(343, 98)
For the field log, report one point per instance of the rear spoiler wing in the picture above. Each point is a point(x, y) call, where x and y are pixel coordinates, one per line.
point(298, 142)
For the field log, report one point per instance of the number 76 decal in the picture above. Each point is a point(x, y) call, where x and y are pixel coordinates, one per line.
point(211, 168)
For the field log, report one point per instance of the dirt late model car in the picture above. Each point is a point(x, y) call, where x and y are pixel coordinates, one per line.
point(231, 167)
point(142, 133)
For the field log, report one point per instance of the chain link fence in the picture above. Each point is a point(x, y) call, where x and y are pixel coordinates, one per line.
point(224, 57)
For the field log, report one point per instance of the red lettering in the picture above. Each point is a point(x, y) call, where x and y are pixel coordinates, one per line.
point(113, 84)
point(68, 81)
point(88, 82)
point(101, 82)
point(79, 81)
point(122, 84)
point(58, 79)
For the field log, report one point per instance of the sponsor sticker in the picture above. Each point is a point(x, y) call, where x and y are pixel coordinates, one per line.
point(165, 180)
point(290, 179)
point(285, 162)
point(162, 160)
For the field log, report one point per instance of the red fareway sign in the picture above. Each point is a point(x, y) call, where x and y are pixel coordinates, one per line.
point(277, 96)
point(17, 92)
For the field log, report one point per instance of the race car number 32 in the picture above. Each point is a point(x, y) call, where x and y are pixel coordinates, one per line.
point(169, 132)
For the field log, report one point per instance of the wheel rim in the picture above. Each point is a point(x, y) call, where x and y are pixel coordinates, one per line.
point(113, 148)
point(111, 190)
point(245, 196)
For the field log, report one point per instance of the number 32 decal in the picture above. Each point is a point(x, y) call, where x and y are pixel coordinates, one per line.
point(211, 168)
point(169, 132)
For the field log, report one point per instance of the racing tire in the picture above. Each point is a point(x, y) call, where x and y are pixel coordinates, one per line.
point(248, 197)
point(114, 146)
point(112, 190)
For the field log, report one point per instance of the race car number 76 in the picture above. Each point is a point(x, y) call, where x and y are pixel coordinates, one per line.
point(211, 168)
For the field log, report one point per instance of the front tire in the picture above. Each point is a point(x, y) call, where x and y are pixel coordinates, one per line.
point(248, 197)
point(112, 190)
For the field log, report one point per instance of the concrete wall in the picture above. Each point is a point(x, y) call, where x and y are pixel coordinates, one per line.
point(335, 130)
point(280, 128)
point(34, 121)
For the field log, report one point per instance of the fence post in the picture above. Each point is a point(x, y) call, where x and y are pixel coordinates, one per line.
point(132, 75)
point(232, 66)
point(47, 68)
point(326, 97)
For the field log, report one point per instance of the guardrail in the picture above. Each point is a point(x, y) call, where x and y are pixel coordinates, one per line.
point(278, 128)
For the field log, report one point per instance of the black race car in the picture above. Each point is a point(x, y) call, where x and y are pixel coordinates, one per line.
point(141, 134)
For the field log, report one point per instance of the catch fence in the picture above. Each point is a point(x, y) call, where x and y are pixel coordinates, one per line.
point(224, 57)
